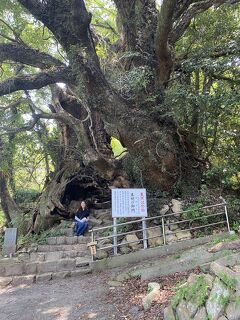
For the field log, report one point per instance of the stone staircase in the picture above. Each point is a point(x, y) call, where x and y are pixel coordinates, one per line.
point(61, 257)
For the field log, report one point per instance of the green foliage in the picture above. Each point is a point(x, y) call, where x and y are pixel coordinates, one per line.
point(2, 219)
point(233, 205)
point(26, 240)
point(26, 195)
point(124, 228)
point(22, 222)
point(196, 292)
point(237, 301)
point(139, 78)
point(205, 195)
point(130, 83)
point(205, 105)
point(199, 210)
point(29, 162)
point(226, 238)
point(232, 237)
point(229, 281)
point(222, 300)
point(149, 289)
point(193, 211)
point(236, 226)
point(133, 165)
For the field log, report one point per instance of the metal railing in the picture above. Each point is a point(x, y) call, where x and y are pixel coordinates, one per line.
point(189, 224)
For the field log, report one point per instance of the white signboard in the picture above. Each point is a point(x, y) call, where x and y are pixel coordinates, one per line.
point(129, 203)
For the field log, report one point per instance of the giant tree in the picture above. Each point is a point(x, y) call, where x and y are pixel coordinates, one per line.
point(114, 86)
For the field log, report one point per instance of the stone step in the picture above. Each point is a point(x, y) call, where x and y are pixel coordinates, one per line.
point(184, 261)
point(42, 267)
point(38, 278)
point(67, 224)
point(68, 240)
point(67, 232)
point(83, 261)
point(62, 247)
point(55, 255)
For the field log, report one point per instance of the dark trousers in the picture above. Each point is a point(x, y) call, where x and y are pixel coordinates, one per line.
point(80, 227)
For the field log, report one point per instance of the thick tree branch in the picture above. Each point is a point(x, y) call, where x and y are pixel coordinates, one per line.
point(80, 23)
point(57, 17)
point(14, 104)
point(230, 80)
point(221, 52)
point(17, 37)
point(198, 7)
point(182, 6)
point(213, 54)
point(35, 118)
point(80, 18)
point(28, 56)
point(36, 81)
point(34, 5)
point(105, 25)
point(126, 22)
point(137, 21)
point(27, 127)
point(90, 155)
point(163, 52)
point(69, 22)
point(164, 27)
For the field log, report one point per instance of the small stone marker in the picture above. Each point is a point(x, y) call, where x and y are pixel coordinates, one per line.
point(10, 242)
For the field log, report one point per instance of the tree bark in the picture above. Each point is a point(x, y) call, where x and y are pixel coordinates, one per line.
point(8, 205)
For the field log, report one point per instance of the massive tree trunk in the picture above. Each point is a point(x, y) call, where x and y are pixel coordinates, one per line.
point(91, 108)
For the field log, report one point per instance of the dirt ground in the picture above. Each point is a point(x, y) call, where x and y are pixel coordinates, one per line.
point(88, 297)
point(68, 299)
point(128, 298)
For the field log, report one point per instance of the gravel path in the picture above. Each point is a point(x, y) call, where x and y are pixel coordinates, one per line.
point(84, 298)
point(69, 299)
point(90, 297)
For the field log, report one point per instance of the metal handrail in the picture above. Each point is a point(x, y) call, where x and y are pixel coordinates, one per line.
point(128, 232)
point(161, 226)
point(198, 218)
point(161, 236)
point(155, 227)
point(159, 217)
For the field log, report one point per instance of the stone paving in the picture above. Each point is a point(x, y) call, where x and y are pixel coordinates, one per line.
point(59, 258)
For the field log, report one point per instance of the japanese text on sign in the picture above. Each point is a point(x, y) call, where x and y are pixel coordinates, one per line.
point(129, 203)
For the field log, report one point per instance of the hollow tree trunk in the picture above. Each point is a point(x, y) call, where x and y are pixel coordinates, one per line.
point(92, 109)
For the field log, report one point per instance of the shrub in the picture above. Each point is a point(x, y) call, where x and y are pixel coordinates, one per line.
point(26, 195)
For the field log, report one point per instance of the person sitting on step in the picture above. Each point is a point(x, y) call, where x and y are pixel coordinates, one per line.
point(81, 219)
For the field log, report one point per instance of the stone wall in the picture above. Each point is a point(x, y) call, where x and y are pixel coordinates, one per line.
point(209, 296)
